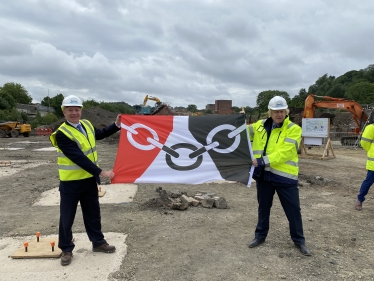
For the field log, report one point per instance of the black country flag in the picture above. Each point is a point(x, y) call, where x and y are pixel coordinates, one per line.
point(182, 149)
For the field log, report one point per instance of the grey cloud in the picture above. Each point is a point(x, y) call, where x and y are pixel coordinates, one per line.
point(180, 51)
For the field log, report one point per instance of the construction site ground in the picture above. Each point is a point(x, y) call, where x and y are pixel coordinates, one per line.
point(156, 243)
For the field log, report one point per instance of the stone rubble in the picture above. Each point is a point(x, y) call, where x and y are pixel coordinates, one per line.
point(179, 200)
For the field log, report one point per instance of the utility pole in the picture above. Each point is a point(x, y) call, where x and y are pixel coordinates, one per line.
point(49, 101)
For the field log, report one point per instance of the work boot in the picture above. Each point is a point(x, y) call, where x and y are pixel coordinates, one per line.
point(303, 249)
point(255, 242)
point(66, 258)
point(358, 205)
point(105, 248)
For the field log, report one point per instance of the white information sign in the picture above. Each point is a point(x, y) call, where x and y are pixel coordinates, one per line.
point(315, 127)
point(312, 141)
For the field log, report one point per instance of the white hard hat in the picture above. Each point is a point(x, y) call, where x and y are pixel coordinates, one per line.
point(71, 101)
point(277, 103)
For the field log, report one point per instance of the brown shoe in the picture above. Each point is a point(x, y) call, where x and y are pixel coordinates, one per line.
point(66, 258)
point(358, 205)
point(105, 248)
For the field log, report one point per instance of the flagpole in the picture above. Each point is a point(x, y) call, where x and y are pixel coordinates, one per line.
point(252, 157)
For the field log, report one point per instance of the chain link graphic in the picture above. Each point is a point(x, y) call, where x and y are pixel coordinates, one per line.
point(197, 152)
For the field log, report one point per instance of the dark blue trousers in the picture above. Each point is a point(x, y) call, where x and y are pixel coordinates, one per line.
point(365, 186)
point(89, 201)
point(289, 198)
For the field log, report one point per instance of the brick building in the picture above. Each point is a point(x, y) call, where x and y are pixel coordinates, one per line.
point(223, 107)
point(210, 106)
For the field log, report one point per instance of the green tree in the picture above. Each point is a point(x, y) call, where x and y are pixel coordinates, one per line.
point(117, 107)
point(336, 91)
point(10, 115)
point(54, 102)
point(298, 101)
point(264, 97)
point(24, 116)
point(192, 108)
point(362, 92)
point(18, 92)
point(108, 106)
point(252, 113)
point(39, 120)
point(49, 118)
point(248, 110)
point(236, 109)
point(90, 104)
point(322, 85)
point(350, 77)
point(208, 111)
point(6, 100)
point(369, 73)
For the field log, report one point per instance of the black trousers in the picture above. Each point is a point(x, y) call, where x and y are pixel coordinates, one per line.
point(89, 201)
point(289, 198)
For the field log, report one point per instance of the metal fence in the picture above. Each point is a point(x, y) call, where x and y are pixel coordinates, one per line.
point(342, 140)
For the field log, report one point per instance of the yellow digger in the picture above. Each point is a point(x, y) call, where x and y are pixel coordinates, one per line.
point(158, 102)
point(14, 129)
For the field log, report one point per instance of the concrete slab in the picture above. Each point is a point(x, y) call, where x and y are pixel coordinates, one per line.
point(86, 265)
point(19, 165)
point(114, 193)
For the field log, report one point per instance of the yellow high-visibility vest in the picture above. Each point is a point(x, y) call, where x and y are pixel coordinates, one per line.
point(366, 142)
point(281, 152)
point(67, 169)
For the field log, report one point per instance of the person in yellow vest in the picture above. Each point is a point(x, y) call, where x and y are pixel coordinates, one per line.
point(275, 142)
point(80, 174)
point(366, 142)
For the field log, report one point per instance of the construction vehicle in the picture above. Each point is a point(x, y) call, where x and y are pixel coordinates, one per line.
point(14, 129)
point(142, 109)
point(160, 108)
point(359, 115)
point(147, 98)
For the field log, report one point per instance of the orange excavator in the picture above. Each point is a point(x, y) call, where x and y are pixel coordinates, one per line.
point(359, 115)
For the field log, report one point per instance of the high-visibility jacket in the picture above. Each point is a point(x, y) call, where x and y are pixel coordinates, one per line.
point(67, 169)
point(281, 158)
point(366, 142)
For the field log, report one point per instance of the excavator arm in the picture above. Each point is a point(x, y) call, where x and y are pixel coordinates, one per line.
point(358, 114)
point(147, 98)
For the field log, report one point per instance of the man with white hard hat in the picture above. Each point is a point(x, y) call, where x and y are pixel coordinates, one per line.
point(275, 142)
point(80, 174)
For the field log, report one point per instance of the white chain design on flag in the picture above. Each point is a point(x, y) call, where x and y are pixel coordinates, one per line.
point(170, 151)
point(131, 130)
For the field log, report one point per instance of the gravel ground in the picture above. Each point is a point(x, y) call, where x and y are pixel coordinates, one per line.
point(208, 244)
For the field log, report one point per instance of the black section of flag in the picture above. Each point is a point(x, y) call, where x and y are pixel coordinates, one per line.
point(235, 165)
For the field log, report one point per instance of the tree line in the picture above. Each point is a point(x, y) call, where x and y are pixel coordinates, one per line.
point(357, 85)
point(12, 93)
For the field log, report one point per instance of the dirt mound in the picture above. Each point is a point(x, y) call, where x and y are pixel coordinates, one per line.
point(99, 117)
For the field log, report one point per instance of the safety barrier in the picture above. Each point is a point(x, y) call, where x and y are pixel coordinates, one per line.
point(43, 131)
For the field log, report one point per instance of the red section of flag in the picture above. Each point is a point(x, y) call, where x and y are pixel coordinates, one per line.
point(131, 162)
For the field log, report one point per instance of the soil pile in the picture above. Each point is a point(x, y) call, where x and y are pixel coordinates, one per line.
point(99, 117)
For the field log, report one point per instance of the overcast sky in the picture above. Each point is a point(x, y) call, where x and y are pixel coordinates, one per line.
point(183, 52)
